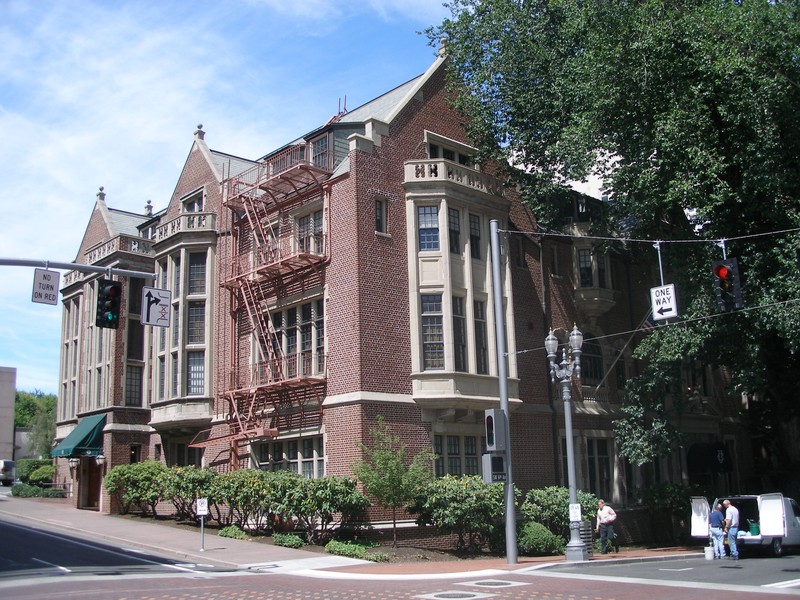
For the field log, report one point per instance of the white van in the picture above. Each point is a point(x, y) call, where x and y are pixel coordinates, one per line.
point(8, 472)
point(768, 520)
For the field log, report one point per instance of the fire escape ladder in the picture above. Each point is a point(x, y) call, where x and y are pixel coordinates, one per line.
point(269, 366)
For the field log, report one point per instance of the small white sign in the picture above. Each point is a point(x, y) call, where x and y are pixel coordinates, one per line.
point(156, 306)
point(574, 512)
point(202, 507)
point(662, 301)
point(45, 286)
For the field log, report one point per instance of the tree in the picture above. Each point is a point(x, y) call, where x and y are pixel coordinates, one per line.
point(679, 107)
point(37, 411)
point(387, 475)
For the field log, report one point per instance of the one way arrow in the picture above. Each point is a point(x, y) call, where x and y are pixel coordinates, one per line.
point(665, 309)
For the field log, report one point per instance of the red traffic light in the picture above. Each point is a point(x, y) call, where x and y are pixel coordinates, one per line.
point(722, 271)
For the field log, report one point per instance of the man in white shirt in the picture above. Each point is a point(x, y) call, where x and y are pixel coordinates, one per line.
point(732, 527)
point(605, 525)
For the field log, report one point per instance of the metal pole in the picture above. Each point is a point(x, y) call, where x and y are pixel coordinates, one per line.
point(502, 376)
point(202, 534)
point(576, 549)
point(49, 264)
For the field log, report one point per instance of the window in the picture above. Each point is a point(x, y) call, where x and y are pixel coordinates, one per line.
point(481, 338)
point(174, 375)
point(195, 373)
point(135, 454)
point(456, 455)
point(380, 215)
point(454, 230)
point(135, 340)
point(432, 332)
point(437, 151)
point(319, 151)
point(585, 268)
point(196, 322)
point(591, 360)
point(194, 204)
point(305, 456)
point(176, 277)
point(428, 223)
point(197, 273)
point(309, 233)
point(592, 269)
point(599, 457)
point(475, 236)
point(299, 334)
point(135, 296)
point(133, 386)
point(162, 368)
point(459, 334)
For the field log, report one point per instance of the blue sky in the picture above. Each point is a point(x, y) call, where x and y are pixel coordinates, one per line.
point(110, 93)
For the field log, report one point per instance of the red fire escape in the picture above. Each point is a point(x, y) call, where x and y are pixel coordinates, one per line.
point(273, 255)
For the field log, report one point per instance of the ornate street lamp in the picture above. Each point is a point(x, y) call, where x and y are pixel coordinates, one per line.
point(576, 549)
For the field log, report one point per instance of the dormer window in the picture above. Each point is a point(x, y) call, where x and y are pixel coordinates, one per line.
point(449, 149)
point(194, 203)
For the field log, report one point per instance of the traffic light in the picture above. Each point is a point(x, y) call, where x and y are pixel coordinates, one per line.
point(495, 421)
point(727, 285)
point(109, 296)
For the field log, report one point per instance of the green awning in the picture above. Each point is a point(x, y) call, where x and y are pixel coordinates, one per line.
point(85, 440)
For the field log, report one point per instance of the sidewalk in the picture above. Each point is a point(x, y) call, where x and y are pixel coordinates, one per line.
point(162, 540)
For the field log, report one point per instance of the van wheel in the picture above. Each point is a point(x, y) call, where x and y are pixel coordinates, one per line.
point(777, 547)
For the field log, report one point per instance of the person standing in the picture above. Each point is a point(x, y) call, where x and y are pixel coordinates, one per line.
point(717, 522)
point(605, 525)
point(732, 527)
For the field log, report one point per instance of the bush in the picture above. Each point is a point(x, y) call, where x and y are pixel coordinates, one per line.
point(288, 540)
point(317, 503)
point(232, 531)
point(185, 485)
point(537, 540)
point(141, 485)
point(24, 490)
point(466, 506)
point(549, 506)
point(42, 476)
point(250, 496)
point(355, 550)
point(26, 466)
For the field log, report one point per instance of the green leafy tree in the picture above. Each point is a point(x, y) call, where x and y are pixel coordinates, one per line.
point(37, 412)
point(678, 108)
point(387, 474)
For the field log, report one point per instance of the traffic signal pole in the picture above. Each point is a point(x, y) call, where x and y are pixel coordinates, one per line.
point(49, 264)
point(502, 377)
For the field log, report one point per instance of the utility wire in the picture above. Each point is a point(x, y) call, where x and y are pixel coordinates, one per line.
point(670, 324)
point(643, 241)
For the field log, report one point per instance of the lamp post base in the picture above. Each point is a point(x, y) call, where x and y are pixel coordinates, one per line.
point(576, 552)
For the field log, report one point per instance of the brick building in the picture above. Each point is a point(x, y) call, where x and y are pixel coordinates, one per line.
point(343, 276)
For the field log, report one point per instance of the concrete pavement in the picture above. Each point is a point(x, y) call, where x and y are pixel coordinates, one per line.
point(163, 540)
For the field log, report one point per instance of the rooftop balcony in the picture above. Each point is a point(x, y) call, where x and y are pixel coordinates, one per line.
point(186, 223)
point(439, 170)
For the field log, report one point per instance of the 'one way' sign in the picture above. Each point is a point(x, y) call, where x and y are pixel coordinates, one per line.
point(662, 300)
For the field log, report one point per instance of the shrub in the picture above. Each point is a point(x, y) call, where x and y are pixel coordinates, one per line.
point(24, 490)
point(185, 485)
point(355, 550)
point(550, 507)
point(318, 503)
point(248, 496)
point(43, 475)
point(140, 485)
point(466, 506)
point(537, 540)
point(26, 466)
point(232, 531)
point(288, 540)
